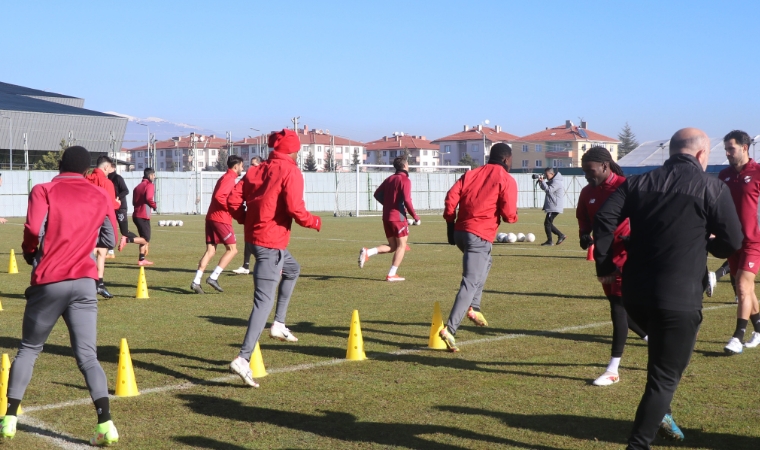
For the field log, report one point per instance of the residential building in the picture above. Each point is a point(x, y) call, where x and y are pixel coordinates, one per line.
point(419, 150)
point(473, 141)
point(180, 154)
point(558, 147)
point(320, 143)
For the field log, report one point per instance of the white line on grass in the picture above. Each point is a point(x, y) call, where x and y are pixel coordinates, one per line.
point(67, 441)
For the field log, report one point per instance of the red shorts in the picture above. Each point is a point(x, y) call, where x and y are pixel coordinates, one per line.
point(219, 233)
point(395, 229)
point(747, 260)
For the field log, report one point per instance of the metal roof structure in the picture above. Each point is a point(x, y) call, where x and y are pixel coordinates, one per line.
point(655, 153)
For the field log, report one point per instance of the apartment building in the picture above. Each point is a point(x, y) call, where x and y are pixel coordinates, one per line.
point(474, 141)
point(419, 150)
point(180, 154)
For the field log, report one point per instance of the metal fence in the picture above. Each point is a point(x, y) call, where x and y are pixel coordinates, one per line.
point(190, 193)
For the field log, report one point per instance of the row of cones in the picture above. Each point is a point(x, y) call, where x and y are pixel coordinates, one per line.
point(142, 285)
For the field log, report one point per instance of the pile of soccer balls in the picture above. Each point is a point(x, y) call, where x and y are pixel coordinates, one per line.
point(170, 223)
point(519, 237)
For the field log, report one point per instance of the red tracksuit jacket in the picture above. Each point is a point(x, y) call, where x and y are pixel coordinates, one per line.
point(590, 200)
point(395, 193)
point(65, 218)
point(485, 196)
point(142, 199)
point(273, 195)
point(217, 210)
point(99, 178)
point(745, 191)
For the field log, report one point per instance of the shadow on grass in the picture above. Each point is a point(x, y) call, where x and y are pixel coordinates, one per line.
point(598, 428)
point(343, 426)
point(152, 287)
point(18, 296)
point(547, 295)
point(24, 427)
point(204, 442)
point(110, 354)
point(338, 277)
point(542, 256)
point(153, 268)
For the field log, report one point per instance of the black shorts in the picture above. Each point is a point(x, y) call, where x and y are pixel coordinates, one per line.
point(143, 227)
point(121, 218)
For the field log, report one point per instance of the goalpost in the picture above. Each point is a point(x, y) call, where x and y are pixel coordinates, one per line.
point(429, 187)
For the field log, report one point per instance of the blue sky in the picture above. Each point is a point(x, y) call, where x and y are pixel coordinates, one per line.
point(364, 69)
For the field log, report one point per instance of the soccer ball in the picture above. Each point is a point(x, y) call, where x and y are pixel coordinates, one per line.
point(172, 223)
point(410, 221)
point(161, 223)
point(511, 237)
point(530, 237)
point(180, 223)
point(501, 237)
point(520, 237)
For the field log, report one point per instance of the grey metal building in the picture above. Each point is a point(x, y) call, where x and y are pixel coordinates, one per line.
point(34, 122)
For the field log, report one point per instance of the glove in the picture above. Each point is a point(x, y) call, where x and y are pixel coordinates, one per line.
point(417, 222)
point(450, 232)
point(586, 241)
point(316, 223)
point(29, 257)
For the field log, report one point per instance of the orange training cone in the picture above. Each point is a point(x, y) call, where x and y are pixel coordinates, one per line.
point(355, 349)
point(590, 254)
point(142, 285)
point(12, 266)
point(435, 341)
point(257, 363)
point(126, 386)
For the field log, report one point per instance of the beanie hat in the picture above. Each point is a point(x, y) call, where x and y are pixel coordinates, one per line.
point(285, 141)
point(75, 159)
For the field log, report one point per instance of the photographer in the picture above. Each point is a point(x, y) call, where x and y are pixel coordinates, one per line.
point(554, 203)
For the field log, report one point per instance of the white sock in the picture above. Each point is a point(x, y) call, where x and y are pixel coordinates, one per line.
point(392, 271)
point(372, 251)
point(277, 324)
point(198, 275)
point(646, 338)
point(215, 274)
point(613, 365)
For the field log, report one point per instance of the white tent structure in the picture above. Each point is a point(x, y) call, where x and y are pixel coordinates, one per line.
point(655, 153)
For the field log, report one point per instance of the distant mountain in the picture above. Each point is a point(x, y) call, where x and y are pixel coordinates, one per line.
point(137, 135)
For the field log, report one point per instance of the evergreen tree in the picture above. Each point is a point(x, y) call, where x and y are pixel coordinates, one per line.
point(468, 161)
point(628, 141)
point(51, 160)
point(355, 160)
point(310, 165)
point(221, 163)
point(329, 162)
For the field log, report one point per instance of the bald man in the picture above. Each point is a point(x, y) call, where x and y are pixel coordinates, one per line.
point(672, 210)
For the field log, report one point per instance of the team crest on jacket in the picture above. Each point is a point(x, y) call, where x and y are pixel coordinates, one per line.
point(593, 200)
point(747, 179)
point(751, 265)
point(728, 178)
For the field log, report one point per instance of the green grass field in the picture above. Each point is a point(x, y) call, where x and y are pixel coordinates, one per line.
point(524, 382)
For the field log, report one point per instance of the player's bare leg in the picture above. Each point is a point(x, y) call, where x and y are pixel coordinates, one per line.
point(365, 253)
point(746, 311)
point(144, 254)
point(205, 259)
point(100, 254)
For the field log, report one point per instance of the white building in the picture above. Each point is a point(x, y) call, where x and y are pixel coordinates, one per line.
point(474, 141)
point(419, 150)
point(180, 154)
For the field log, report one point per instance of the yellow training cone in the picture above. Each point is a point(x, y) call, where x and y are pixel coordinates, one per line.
point(355, 349)
point(142, 286)
point(5, 369)
point(1, 306)
point(126, 386)
point(257, 363)
point(435, 341)
point(12, 266)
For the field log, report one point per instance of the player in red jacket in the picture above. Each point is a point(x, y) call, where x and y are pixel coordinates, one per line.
point(484, 196)
point(395, 194)
point(273, 196)
point(604, 176)
point(64, 219)
point(99, 177)
point(143, 201)
point(743, 180)
point(219, 227)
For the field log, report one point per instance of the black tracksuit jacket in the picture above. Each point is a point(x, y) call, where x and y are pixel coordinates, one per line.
point(673, 210)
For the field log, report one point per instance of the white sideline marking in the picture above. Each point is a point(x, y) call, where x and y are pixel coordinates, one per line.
point(53, 436)
point(66, 441)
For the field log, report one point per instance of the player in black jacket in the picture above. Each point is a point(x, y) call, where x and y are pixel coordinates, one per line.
point(673, 212)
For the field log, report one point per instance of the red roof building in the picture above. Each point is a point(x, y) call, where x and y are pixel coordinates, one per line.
point(419, 150)
point(558, 147)
point(330, 152)
point(473, 141)
point(180, 154)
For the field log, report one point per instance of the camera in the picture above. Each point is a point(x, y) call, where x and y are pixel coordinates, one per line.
point(536, 176)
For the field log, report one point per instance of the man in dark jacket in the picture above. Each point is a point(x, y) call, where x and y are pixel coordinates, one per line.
point(673, 212)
